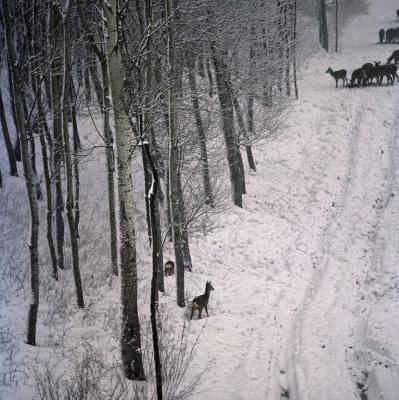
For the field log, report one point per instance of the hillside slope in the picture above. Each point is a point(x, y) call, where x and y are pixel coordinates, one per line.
point(306, 276)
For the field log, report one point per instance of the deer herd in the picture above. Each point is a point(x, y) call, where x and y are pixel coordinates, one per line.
point(370, 72)
point(363, 76)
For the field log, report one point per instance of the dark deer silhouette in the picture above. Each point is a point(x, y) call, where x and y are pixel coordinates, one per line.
point(201, 302)
point(390, 35)
point(357, 77)
point(337, 75)
point(381, 34)
point(366, 68)
point(380, 71)
point(169, 268)
point(394, 56)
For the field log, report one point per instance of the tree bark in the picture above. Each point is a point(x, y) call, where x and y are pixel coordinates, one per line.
point(294, 48)
point(336, 26)
point(68, 160)
point(323, 25)
point(7, 140)
point(228, 128)
point(130, 332)
point(47, 181)
point(34, 211)
point(17, 145)
point(206, 181)
point(56, 23)
point(152, 193)
point(173, 159)
point(210, 77)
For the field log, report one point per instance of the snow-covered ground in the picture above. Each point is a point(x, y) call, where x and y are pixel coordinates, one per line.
point(305, 275)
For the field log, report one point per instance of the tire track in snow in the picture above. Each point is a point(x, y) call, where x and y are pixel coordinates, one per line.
point(313, 355)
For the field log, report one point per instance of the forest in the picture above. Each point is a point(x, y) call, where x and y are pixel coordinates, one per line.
point(133, 134)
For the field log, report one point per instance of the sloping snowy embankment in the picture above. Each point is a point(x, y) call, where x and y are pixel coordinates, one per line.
point(306, 276)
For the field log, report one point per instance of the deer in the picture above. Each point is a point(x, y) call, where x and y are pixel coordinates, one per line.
point(169, 268)
point(337, 75)
point(201, 302)
point(357, 77)
point(366, 68)
point(394, 56)
point(380, 71)
point(381, 34)
point(390, 35)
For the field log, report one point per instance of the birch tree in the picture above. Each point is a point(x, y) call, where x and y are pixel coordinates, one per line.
point(34, 211)
point(130, 332)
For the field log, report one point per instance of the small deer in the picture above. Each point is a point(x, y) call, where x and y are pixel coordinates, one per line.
point(394, 56)
point(366, 68)
point(340, 74)
point(381, 34)
point(357, 77)
point(169, 268)
point(201, 302)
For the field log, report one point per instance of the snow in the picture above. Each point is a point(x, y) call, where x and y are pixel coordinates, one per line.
point(305, 275)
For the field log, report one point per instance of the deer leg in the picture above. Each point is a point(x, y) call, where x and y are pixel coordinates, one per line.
point(192, 313)
point(199, 313)
point(206, 309)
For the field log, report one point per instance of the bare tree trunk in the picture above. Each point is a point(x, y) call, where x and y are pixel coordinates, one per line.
point(87, 75)
point(34, 211)
point(31, 141)
point(47, 181)
point(17, 146)
point(155, 160)
point(68, 161)
point(130, 332)
point(154, 281)
point(228, 128)
point(206, 181)
point(323, 25)
point(287, 44)
point(184, 242)
point(109, 151)
point(55, 24)
point(75, 162)
point(210, 78)
point(336, 26)
point(7, 140)
point(294, 48)
point(250, 102)
point(96, 81)
point(173, 159)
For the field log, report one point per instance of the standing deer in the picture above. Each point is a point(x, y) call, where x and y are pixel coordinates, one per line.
point(394, 56)
point(337, 75)
point(201, 302)
point(366, 68)
point(357, 77)
point(390, 35)
point(381, 34)
point(169, 268)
